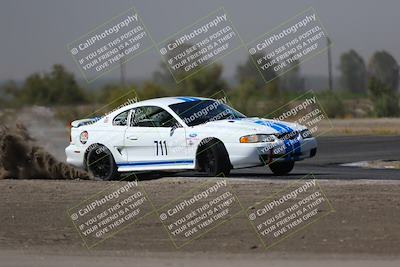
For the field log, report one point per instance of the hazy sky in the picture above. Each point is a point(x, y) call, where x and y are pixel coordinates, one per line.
point(34, 33)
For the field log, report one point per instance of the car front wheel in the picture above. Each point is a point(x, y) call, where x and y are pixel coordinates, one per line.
point(281, 167)
point(213, 159)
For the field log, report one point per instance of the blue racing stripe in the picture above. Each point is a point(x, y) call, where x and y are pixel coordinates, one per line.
point(184, 99)
point(294, 145)
point(146, 163)
point(291, 146)
point(288, 146)
point(272, 125)
point(287, 128)
point(297, 148)
point(188, 99)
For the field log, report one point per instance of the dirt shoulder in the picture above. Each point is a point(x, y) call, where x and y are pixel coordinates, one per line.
point(366, 220)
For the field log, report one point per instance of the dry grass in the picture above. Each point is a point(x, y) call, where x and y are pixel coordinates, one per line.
point(345, 127)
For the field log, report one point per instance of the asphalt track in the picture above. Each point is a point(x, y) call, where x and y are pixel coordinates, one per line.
point(332, 152)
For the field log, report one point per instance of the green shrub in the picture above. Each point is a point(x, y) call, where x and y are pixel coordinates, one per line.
point(332, 104)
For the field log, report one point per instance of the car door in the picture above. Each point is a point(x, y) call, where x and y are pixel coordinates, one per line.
point(112, 135)
point(155, 140)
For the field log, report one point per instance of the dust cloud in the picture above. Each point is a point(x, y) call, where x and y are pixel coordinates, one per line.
point(21, 158)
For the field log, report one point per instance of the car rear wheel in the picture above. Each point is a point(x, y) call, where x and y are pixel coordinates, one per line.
point(100, 163)
point(213, 159)
point(281, 167)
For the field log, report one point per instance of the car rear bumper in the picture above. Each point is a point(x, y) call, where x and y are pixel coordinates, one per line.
point(75, 155)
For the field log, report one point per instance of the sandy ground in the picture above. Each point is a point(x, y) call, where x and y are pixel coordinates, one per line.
point(8, 259)
point(35, 230)
point(367, 126)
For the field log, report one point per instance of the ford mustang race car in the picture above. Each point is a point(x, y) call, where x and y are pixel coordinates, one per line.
point(185, 133)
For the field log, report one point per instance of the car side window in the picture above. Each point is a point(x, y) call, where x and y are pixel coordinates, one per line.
point(121, 119)
point(152, 116)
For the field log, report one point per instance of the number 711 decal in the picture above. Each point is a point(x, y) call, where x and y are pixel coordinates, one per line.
point(162, 147)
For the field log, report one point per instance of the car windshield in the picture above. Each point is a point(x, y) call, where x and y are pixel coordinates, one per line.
point(203, 111)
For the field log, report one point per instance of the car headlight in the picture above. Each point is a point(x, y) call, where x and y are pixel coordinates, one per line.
point(257, 138)
point(305, 134)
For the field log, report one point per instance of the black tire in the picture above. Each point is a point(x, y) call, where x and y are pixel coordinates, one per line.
point(281, 167)
point(100, 163)
point(213, 158)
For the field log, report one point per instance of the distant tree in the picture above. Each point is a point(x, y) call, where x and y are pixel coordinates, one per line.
point(56, 87)
point(245, 90)
point(292, 80)
point(35, 91)
point(206, 82)
point(203, 80)
point(151, 90)
point(383, 81)
point(332, 104)
point(353, 72)
point(272, 89)
point(248, 72)
point(165, 75)
point(63, 87)
point(115, 95)
point(383, 67)
point(385, 100)
point(245, 99)
point(8, 92)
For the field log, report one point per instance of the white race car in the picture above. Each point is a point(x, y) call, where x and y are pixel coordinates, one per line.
point(185, 133)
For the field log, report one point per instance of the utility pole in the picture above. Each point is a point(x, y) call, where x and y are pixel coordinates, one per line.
point(328, 42)
point(122, 72)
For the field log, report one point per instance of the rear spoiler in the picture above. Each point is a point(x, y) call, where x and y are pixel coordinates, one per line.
point(79, 123)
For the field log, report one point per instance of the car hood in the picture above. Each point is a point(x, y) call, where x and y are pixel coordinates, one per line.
point(258, 125)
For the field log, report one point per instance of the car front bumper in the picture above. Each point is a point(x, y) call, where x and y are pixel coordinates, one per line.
point(248, 155)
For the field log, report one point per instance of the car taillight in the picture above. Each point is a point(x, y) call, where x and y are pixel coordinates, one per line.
point(83, 137)
point(70, 126)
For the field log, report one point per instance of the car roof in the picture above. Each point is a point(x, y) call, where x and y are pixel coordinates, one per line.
point(166, 101)
point(161, 102)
